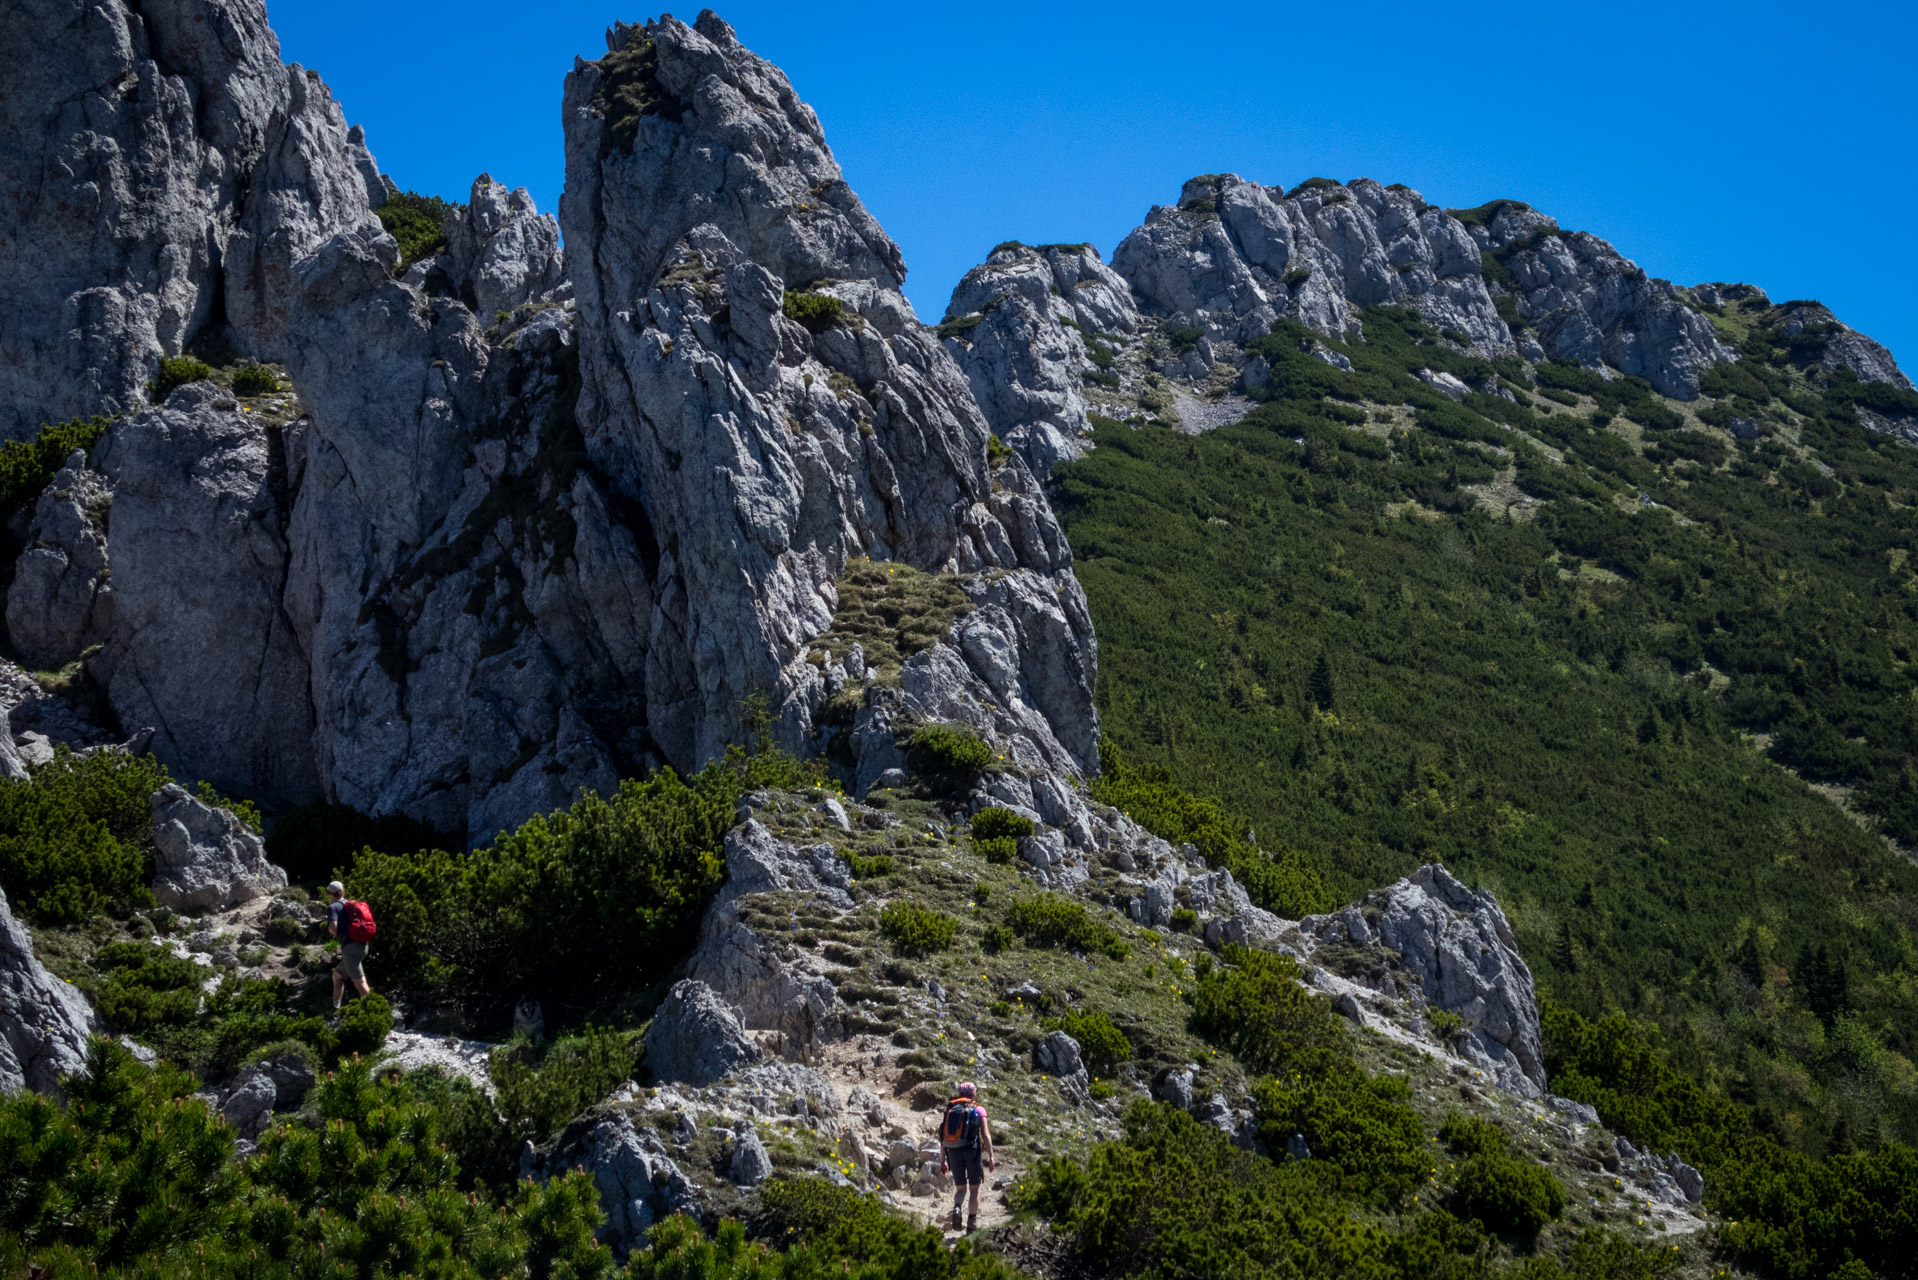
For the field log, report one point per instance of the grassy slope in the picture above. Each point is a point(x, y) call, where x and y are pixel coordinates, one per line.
point(1539, 702)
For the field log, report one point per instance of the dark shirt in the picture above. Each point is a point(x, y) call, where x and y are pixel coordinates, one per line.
point(333, 910)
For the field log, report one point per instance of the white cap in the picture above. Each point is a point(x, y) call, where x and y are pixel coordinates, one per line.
point(337, 889)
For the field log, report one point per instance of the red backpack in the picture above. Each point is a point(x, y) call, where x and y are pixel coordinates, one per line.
point(357, 922)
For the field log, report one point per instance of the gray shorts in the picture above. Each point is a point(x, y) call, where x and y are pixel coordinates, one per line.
point(968, 1165)
point(352, 956)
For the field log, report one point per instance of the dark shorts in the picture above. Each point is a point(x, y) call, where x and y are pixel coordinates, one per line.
point(352, 956)
point(968, 1165)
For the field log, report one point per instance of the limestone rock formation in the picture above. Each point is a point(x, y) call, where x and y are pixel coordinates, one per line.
point(763, 452)
point(1838, 345)
point(201, 648)
point(503, 250)
point(696, 1037)
point(205, 857)
point(773, 989)
point(1587, 302)
point(1234, 256)
point(1025, 327)
point(44, 1022)
point(60, 602)
point(638, 1182)
point(163, 173)
point(1457, 947)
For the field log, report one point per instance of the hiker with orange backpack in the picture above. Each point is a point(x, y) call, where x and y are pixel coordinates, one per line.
point(965, 1145)
point(352, 923)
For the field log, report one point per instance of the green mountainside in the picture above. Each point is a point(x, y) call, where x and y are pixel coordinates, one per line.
point(1583, 644)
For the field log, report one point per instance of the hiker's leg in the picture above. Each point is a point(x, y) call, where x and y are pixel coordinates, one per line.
point(339, 987)
point(366, 988)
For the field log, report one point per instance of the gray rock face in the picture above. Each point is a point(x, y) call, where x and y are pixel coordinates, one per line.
point(1234, 256)
point(1459, 947)
point(202, 650)
point(504, 250)
point(696, 1037)
point(1842, 347)
point(762, 454)
point(60, 601)
point(44, 1022)
point(1586, 302)
point(773, 989)
point(638, 1182)
point(162, 166)
point(1021, 327)
point(443, 592)
point(205, 857)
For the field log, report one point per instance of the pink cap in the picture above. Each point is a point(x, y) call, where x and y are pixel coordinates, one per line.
point(968, 1090)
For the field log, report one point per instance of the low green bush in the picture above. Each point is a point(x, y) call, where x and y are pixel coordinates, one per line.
point(1000, 850)
point(1359, 1125)
point(1049, 920)
point(1284, 881)
point(1510, 1196)
point(816, 312)
point(254, 379)
point(74, 836)
point(1102, 1044)
point(176, 371)
point(993, 823)
point(130, 1177)
point(914, 930)
point(996, 938)
point(950, 751)
point(27, 465)
point(998, 453)
point(1184, 919)
point(144, 991)
point(538, 1093)
point(869, 868)
point(1254, 1007)
point(417, 222)
point(565, 906)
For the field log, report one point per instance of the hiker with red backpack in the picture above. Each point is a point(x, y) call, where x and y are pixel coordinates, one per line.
point(965, 1146)
point(352, 923)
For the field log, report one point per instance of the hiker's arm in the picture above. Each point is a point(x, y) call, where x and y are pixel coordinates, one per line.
point(985, 1139)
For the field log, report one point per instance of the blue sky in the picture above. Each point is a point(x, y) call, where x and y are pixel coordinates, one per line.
point(1761, 142)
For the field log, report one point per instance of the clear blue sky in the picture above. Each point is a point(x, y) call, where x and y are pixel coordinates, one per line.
point(1763, 142)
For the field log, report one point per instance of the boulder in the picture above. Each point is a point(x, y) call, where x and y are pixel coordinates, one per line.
point(696, 1037)
point(749, 1165)
point(1058, 1055)
point(44, 1021)
point(206, 858)
point(248, 1103)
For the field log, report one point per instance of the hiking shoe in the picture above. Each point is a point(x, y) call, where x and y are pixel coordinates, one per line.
point(956, 1219)
point(972, 1223)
